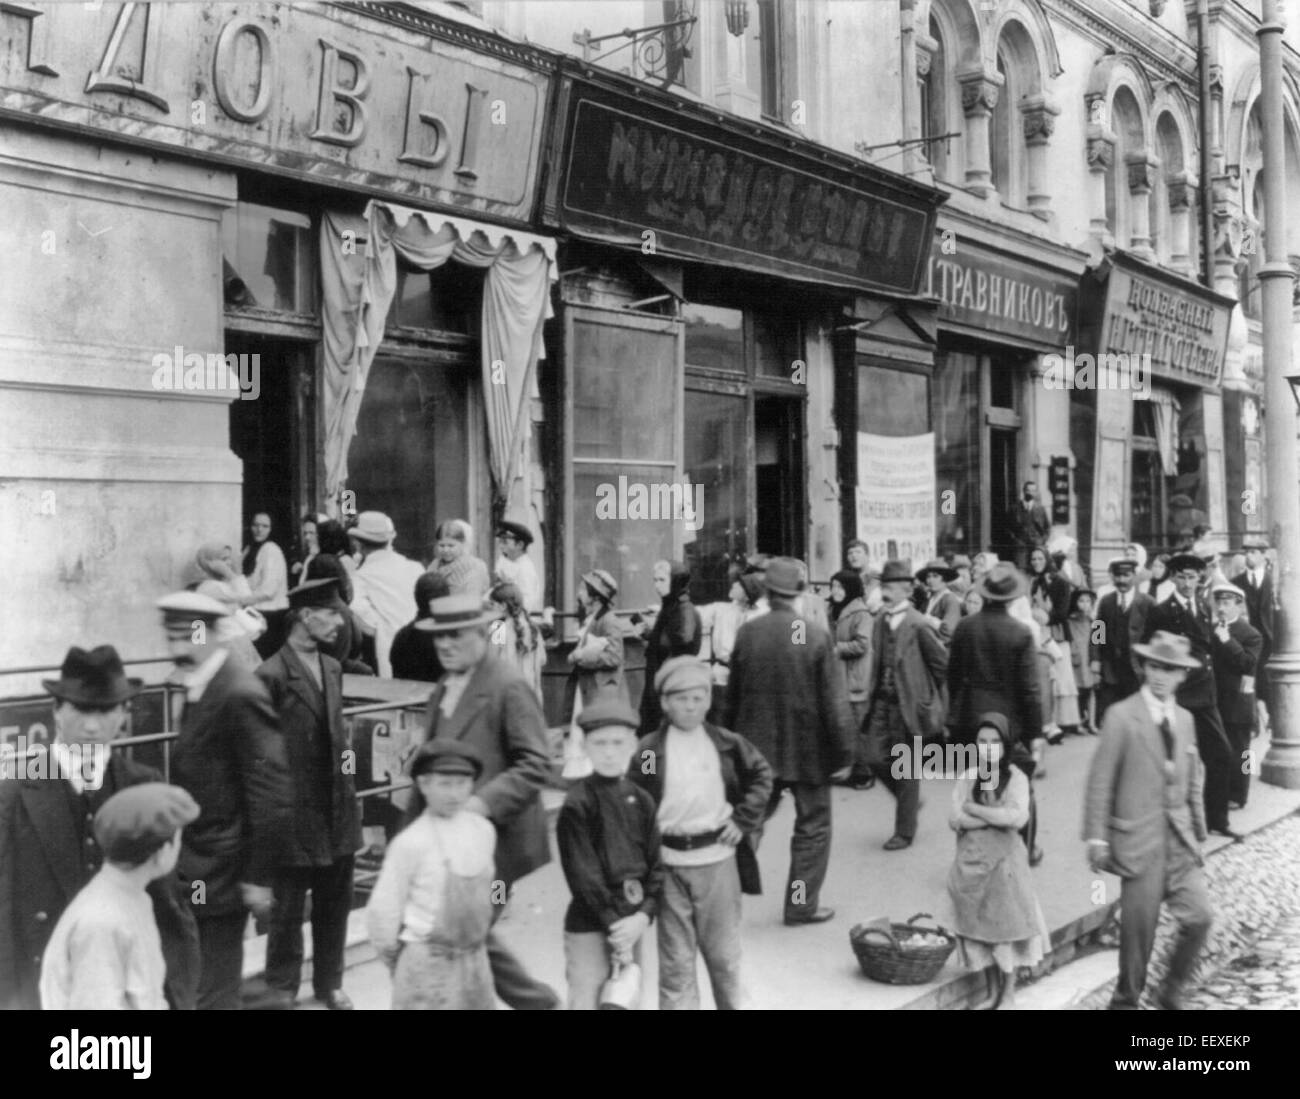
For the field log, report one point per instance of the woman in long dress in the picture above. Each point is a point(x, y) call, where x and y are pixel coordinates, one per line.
point(999, 921)
point(268, 577)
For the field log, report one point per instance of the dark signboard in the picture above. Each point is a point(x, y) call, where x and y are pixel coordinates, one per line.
point(670, 183)
point(1058, 485)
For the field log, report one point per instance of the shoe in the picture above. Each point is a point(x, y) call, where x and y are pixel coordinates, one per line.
point(1236, 837)
point(338, 1000)
point(818, 915)
point(897, 843)
point(1035, 856)
point(273, 999)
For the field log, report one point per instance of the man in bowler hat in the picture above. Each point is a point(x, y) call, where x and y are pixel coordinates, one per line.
point(48, 848)
point(306, 688)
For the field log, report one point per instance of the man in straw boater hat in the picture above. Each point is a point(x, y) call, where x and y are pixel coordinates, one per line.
point(48, 846)
point(1123, 617)
point(1146, 775)
point(383, 582)
point(306, 688)
point(1189, 615)
point(229, 756)
point(993, 666)
point(1234, 653)
point(484, 702)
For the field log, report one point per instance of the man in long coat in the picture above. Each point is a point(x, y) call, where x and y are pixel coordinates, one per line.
point(1256, 581)
point(787, 696)
point(482, 701)
point(1234, 653)
point(306, 688)
point(1122, 614)
point(229, 757)
point(48, 850)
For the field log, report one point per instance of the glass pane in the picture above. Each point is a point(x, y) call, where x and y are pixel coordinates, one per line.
point(624, 392)
point(957, 455)
point(410, 455)
point(892, 402)
point(1004, 376)
point(1189, 490)
point(444, 300)
point(715, 337)
point(627, 547)
point(272, 253)
point(715, 459)
point(778, 345)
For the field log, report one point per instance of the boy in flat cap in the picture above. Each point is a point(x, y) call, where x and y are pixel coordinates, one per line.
point(609, 848)
point(431, 909)
point(105, 953)
point(712, 788)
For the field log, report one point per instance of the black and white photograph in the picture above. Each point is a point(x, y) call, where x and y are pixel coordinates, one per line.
point(770, 505)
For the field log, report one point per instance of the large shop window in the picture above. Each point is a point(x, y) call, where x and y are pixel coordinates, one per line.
point(957, 450)
point(624, 447)
point(269, 259)
point(1170, 491)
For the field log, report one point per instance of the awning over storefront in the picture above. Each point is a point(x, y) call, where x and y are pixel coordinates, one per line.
point(359, 281)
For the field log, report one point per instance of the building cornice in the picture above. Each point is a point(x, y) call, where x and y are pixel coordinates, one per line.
point(1012, 241)
point(1129, 28)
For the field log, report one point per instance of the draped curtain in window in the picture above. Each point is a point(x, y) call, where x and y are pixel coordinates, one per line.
point(1166, 408)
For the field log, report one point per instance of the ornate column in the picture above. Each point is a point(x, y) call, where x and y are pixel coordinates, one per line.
point(979, 95)
point(1038, 117)
point(1138, 168)
point(924, 48)
point(1101, 161)
point(1229, 228)
point(1182, 203)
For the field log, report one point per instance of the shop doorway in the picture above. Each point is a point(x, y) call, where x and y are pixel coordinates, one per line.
point(778, 475)
point(1003, 490)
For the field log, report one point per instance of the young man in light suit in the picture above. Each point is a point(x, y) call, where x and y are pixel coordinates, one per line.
point(1144, 819)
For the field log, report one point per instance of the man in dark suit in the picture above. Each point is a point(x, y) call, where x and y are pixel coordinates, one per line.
point(1028, 524)
point(1123, 617)
point(1257, 583)
point(48, 852)
point(993, 666)
point(229, 757)
point(1144, 819)
point(483, 702)
point(1184, 613)
point(306, 688)
point(787, 696)
point(1234, 652)
point(905, 678)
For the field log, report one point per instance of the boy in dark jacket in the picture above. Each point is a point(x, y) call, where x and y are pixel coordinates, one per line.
point(711, 787)
point(609, 848)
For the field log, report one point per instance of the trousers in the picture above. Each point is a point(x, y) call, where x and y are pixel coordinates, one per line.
point(1212, 744)
point(513, 983)
point(1238, 734)
point(885, 729)
point(587, 962)
point(700, 910)
point(221, 952)
point(810, 844)
point(331, 901)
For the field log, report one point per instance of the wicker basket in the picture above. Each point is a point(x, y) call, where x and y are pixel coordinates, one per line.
point(884, 958)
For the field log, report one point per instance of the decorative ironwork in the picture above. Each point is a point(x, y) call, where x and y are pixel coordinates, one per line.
point(659, 52)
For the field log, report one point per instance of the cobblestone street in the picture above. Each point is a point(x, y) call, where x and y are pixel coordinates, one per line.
point(1267, 977)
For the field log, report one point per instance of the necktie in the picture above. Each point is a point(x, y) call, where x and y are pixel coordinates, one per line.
point(1167, 735)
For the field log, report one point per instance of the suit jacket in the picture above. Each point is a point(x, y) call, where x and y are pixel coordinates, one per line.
point(1259, 604)
point(920, 665)
point(499, 714)
point(1056, 589)
point(1029, 527)
point(602, 671)
point(746, 778)
point(45, 861)
point(326, 820)
point(230, 757)
point(1197, 691)
point(1119, 666)
point(1232, 659)
point(948, 612)
point(1129, 802)
point(993, 666)
point(788, 697)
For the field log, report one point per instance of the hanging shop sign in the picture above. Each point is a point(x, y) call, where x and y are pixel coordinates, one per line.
point(664, 178)
point(389, 102)
point(1058, 486)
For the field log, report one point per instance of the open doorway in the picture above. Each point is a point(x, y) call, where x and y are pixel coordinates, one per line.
point(779, 475)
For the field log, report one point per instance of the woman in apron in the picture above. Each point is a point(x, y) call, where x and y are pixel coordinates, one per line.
point(431, 908)
point(998, 919)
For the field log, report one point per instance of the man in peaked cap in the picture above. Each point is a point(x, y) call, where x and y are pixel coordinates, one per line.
point(229, 756)
point(48, 846)
point(306, 688)
point(1123, 616)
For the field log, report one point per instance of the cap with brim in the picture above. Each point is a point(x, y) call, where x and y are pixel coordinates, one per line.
point(446, 756)
point(373, 527)
point(948, 573)
point(895, 571)
point(1119, 564)
point(1224, 588)
point(682, 673)
point(1003, 583)
point(1254, 541)
point(602, 583)
point(189, 606)
point(1180, 561)
point(135, 822)
point(784, 576)
point(518, 530)
point(95, 678)
point(322, 594)
point(456, 612)
point(1168, 648)
point(608, 708)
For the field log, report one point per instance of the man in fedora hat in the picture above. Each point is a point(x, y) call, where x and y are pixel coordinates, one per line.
point(306, 688)
point(514, 566)
point(229, 757)
point(1234, 654)
point(1256, 581)
point(1123, 616)
point(1144, 819)
point(942, 608)
point(993, 666)
point(1188, 614)
point(905, 680)
point(788, 697)
point(48, 848)
point(482, 701)
point(383, 582)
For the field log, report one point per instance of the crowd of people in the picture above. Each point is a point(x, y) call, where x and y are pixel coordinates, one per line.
point(773, 691)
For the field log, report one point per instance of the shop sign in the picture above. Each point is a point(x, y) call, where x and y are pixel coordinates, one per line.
point(990, 293)
point(1058, 486)
point(320, 93)
point(896, 497)
point(669, 183)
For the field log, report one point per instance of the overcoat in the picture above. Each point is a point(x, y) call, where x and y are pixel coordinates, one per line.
point(993, 665)
point(920, 670)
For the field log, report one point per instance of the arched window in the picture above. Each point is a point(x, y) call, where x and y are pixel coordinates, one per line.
point(934, 104)
point(1126, 121)
point(1018, 65)
point(1168, 231)
point(1001, 136)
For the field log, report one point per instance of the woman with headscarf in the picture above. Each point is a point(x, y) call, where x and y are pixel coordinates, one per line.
point(516, 639)
point(675, 632)
point(268, 577)
point(596, 661)
point(348, 646)
point(455, 560)
point(719, 623)
point(212, 573)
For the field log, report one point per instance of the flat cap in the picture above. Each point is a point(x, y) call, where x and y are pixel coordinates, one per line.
point(681, 673)
point(186, 606)
point(135, 822)
point(445, 756)
point(609, 707)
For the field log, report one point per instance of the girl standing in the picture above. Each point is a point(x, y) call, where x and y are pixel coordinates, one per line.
point(465, 573)
point(519, 642)
point(1082, 603)
point(852, 625)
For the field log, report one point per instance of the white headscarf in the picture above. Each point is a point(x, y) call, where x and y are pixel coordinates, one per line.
point(1020, 609)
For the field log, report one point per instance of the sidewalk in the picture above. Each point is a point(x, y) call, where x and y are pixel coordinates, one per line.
point(814, 967)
